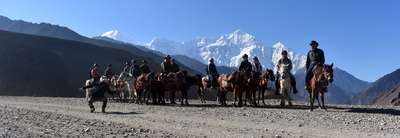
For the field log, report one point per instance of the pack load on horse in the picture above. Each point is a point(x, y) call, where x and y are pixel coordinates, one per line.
point(318, 75)
point(225, 85)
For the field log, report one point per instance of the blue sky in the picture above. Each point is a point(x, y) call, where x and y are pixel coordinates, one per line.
point(360, 36)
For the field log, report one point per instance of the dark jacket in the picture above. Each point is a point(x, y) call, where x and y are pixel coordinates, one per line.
point(212, 70)
point(245, 66)
point(135, 70)
point(257, 67)
point(144, 68)
point(315, 56)
point(175, 67)
point(108, 72)
point(166, 67)
point(285, 61)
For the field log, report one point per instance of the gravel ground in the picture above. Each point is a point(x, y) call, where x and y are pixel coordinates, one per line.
point(70, 117)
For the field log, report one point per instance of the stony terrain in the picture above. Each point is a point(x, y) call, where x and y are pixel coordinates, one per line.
point(70, 117)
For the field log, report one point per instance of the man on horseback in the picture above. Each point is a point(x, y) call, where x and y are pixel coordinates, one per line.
point(144, 68)
point(245, 65)
point(127, 67)
point(135, 69)
point(257, 68)
point(175, 67)
point(286, 61)
point(166, 65)
point(108, 72)
point(314, 57)
point(94, 73)
point(213, 72)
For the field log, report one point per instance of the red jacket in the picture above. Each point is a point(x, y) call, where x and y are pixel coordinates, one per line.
point(95, 72)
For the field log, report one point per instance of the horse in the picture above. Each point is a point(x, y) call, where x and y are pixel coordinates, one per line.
point(285, 84)
point(141, 84)
point(173, 82)
point(263, 84)
point(240, 81)
point(205, 84)
point(155, 88)
point(322, 76)
point(126, 89)
point(97, 92)
point(224, 86)
point(252, 88)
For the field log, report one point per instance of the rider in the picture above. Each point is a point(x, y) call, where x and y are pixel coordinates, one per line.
point(135, 69)
point(175, 66)
point(144, 68)
point(212, 71)
point(257, 68)
point(108, 72)
point(94, 73)
point(127, 67)
point(245, 65)
point(166, 65)
point(285, 60)
point(314, 57)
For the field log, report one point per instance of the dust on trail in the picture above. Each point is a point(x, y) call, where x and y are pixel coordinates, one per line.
point(60, 117)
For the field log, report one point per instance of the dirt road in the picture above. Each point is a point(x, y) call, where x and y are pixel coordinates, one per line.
point(62, 117)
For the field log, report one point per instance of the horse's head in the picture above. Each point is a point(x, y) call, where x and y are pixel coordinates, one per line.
point(328, 72)
point(269, 75)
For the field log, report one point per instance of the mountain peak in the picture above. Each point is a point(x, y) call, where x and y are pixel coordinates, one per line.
point(111, 34)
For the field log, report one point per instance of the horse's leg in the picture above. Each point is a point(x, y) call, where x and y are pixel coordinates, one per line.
point(283, 96)
point(91, 106)
point(103, 107)
point(240, 96)
point(263, 96)
point(323, 101)
point(172, 98)
point(317, 98)
point(311, 100)
point(289, 99)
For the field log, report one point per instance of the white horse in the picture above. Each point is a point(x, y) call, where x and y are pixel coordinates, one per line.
point(128, 92)
point(98, 92)
point(285, 84)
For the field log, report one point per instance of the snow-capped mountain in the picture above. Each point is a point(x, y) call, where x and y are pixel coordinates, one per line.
point(113, 34)
point(118, 37)
point(227, 50)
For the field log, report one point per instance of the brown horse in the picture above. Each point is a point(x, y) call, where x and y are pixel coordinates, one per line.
point(263, 84)
point(173, 83)
point(224, 86)
point(322, 76)
point(141, 84)
point(240, 82)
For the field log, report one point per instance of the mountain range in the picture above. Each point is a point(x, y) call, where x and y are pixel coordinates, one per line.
point(227, 50)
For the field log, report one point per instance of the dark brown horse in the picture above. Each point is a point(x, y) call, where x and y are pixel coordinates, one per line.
point(240, 82)
point(263, 84)
point(173, 83)
point(322, 76)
